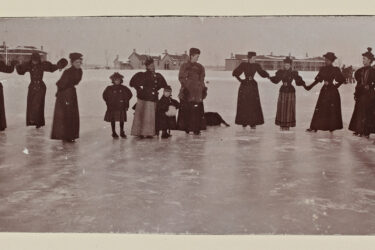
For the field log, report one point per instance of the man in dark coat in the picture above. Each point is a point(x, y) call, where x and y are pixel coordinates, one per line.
point(363, 118)
point(5, 69)
point(327, 114)
point(249, 109)
point(192, 93)
point(66, 116)
point(166, 113)
point(37, 88)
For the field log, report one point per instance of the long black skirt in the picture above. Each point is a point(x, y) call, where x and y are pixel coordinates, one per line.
point(66, 116)
point(363, 118)
point(35, 104)
point(3, 122)
point(249, 109)
point(327, 114)
point(191, 116)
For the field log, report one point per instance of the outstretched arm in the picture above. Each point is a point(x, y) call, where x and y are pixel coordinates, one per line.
point(277, 78)
point(50, 67)
point(298, 79)
point(262, 72)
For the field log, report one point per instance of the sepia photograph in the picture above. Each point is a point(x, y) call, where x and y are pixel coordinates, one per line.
point(188, 125)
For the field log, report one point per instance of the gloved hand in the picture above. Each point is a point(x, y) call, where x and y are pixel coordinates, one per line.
point(62, 63)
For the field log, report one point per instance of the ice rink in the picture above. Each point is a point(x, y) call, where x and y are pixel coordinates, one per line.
point(226, 181)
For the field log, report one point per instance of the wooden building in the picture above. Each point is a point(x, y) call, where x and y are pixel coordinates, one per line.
point(271, 62)
point(20, 53)
point(137, 61)
point(120, 63)
point(172, 62)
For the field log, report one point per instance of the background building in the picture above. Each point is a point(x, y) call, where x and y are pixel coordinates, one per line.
point(271, 62)
point(172, 62)
point(20, 53)
point(137, 61)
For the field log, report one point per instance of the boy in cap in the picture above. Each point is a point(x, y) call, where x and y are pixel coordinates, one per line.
point(166, 111)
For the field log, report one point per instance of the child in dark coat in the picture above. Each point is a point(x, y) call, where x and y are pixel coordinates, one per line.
point(117, 98)
point(166, 111)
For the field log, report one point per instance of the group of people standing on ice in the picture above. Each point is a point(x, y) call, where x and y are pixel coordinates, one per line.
point(153, 115)
point(327, 114)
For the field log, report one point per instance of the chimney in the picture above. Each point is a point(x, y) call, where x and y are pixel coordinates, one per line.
point(271, 53)
point(41, 47)
point(307, 55)
point(290, 54)
point(165, 51)
point(134, 51)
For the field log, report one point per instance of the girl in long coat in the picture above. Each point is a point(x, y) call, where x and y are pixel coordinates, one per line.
point(37, 88)
point(192, 93)
point(66, 116)
point(147, 84)
point(363, 118)
point(286, 104)
point(117, 98)
point(249, 109)
point(6, 69)
point(327, 114)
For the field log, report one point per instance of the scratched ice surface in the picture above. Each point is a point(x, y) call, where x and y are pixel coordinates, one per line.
point(227, 181)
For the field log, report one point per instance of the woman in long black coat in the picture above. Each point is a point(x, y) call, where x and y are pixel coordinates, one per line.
point(363, 118)
point(327, 114)
point(286, 104)
point(37, 88)
point(66, 116)
point(249, 109)
point(5, 69)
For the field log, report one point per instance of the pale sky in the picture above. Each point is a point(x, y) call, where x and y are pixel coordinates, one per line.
point(217, 37)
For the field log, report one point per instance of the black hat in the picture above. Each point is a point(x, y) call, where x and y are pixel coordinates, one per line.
point(330, 56)
point(288, 60)
point(149, 60)
point(368, 54)
point(194, 51)
point(167, 88)
point(75, 56)
point(250, 54)
point(35, 56)
point(116, 75)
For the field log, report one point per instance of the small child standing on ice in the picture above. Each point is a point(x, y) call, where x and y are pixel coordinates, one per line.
point(166, 111)
point(117, 98)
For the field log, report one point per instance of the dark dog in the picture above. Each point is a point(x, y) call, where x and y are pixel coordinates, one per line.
point(214, 119)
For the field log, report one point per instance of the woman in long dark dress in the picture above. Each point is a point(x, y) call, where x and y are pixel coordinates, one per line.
point(37, 88)
point(327, 114)
point(286, 104)
point(363, 118)
point(66, 116)
point(192, 93)
point(147, 85)
point(249, 109)
point(5, 69)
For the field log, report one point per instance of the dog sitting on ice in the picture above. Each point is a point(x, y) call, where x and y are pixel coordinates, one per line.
point(214, 119)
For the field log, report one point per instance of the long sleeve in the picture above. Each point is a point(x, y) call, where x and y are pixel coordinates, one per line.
point(49, 67)
point(128, 93)
point(298, 79)
point(162, 83)
point(339, 77)
point(175, 103)
point(23, 68)
point(203, 74)
point(6, 68)
point(262, 72)
point(162, 105)
point(105, 94)
point(64, 81)
point(183, 74)
point(277, 78)
point(237, 72)
point(136, 81)
point(319, 77)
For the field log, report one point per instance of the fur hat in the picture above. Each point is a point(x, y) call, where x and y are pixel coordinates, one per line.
point(368, 54)
point(75, 56)
point(115, 76)
point(330, 56)
point(250, 54)
point(194, 51)
point(149, 61)
point(288, 60)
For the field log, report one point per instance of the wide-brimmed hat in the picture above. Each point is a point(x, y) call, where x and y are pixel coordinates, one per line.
point(330, 56)
point(368, 54)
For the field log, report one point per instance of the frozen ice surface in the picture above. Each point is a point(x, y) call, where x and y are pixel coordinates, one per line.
point(226, 181)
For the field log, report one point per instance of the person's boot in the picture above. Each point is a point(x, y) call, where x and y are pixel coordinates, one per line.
point(253, 127)
point(114, 134)
point(164, 135)
point(311, 130)
point(197, 132)
point(122, 134)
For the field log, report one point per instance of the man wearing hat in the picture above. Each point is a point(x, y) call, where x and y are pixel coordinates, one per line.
point(192, 93)
point(37, 88)
point(117, 97)
point(66, 115)
point(5, 69)
point(249, 109)
point(327, 113)
point(147, 85)
point(286, 104)
point(362, 122)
